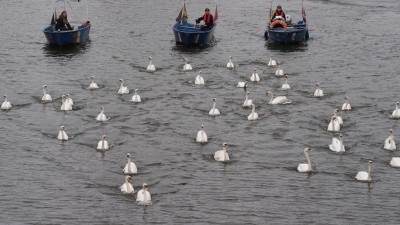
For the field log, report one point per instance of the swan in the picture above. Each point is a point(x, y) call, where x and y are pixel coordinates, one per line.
point(286, 86)
point(248, 101)
point(346, 105)
point(279, 71)
point(305, 167)
point(214, 111)
point(318, 92)
point(254, 77)
point(130, 167)
point(122, 89)
point(339, 118)
point(93, 85)
point(337, 144)
point(201, 135)
point(127, 187)
point(6, 104)
point(230, 64)
point(151, 67)
point(333, 125)
point(271, 61)
point(277, 100)
point(389, 142)
point(395, 162)
point(364, 176)
point(136, 97)
point(222, 155)
point(103, 144)
point(396, 112)
point(253, 115)
point(242, 84)
point(143, 195)
point(187, 66)
point(199, 79)
point(62, 135)
point(65, 105)
point(46, 97)
point(69, 100)
point(101, 117)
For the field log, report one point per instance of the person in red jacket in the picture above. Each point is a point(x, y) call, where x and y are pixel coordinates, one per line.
point(278, 12)
point(208, 20)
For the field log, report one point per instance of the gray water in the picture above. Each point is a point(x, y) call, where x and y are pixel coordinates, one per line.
point(353, 51)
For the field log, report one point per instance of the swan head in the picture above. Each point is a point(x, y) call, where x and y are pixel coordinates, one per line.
point(104, 137)
point(254, 70)
point(337, 111)
point(317, 85)
point(225, 145)
point(67, 96)
point(101, 108)
point(286, 77)
point(63, 128)
point(44, 86)
point(269, 93)
point(333, 118)
point(397, 103)
point(145, 186)
point(230, 57)
point(270, 56)
point(5, 96)
point(252, 106)
point(150, 58)
point(200, 73)
point(390, 132)
point(121, 80)
point(136, 90)
point(370, 163)
point(92, 77)
point(128, 179)
point(128, 156)
point(185, 60)
point(278, 63)
point(346, 98)
point(341, 137)
point(202, 127)
point(307, 150)
point(214, 100)
point(63, 97)
point(248, 93)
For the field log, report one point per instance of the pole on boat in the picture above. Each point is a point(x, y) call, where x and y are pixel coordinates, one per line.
point(87, 11)
point(270, 11)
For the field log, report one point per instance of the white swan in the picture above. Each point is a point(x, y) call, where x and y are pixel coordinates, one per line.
point(338, 118)
point(201, 135)
point(277, 100)
point(122, 89)
point(93, 85)
point(136, 97)
point(222, 155)
point(337, 144)
point(364, 176)
point(65, 105)
point(242, 84)
point(151, 67)
point(127, 188)
point(103, 144)
point(143, 195)
point(248, 101)
point(253, 115)
point(286, 86)
point(187, 66)
point(346, 105)
point(214, 111)
point(318, 92)
point(333, 125)
point(101, 117)
point(254, 77)
point(46, 97)
point(6, 104)
point(305, 167)
point(271, 61)
point(279, 71)
point(199, 79)
point(130, 167)
point(396, 112)
point(68, 100)
point(62, 135)
point(395, 162)
point(389, 142)
point(230, 64)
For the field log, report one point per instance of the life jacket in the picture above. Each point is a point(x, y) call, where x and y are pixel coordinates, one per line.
point(279, 14)
point(207, 18)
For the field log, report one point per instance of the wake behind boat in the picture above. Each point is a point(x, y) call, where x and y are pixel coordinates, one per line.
point(192, 34)
point(60, 37)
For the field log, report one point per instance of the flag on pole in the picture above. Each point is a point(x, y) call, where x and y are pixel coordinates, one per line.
point(303, 13)
point(184, 15)
point(179, 16)
point(216, 15)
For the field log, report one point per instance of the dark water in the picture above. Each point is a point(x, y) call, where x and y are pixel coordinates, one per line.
point(353, 51)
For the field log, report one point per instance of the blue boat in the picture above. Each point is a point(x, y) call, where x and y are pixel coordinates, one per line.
point(66, 37)
point(191, 34)
point(281, 30)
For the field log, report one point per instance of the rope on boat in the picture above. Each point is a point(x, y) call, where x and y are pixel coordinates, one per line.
point(74, 12)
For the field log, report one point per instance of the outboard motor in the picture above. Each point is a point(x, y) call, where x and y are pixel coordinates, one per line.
point(288, 20)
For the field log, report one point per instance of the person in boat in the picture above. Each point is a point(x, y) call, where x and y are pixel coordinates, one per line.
point(278, 12)
point(208, 20)
point(62, 22)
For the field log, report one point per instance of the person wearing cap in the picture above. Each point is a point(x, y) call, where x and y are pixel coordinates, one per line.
point(278, 12)
point(208, 20)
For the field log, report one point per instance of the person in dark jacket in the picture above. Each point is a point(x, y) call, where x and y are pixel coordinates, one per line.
point(208, 20)
point(62, 22)
point(278, 12)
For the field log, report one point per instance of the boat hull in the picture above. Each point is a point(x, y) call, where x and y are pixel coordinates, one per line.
point(189, 34)
point(295, 34)
point(61, 38)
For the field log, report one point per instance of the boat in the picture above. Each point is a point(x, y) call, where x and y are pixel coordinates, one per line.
point(67, 37)
point(282, 30)
point(191, 34)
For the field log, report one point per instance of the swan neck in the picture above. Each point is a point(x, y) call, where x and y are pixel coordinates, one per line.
point(308, 161)
point(62, 135)
point(102, 144)
point(224, 148)
point(333, 125)
point(129, 165)
point(128, 188)
point(341, 145)
point(369, 172)
point(215, 103)
point(272, 97)
point(253, 109)
point(144, 195)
